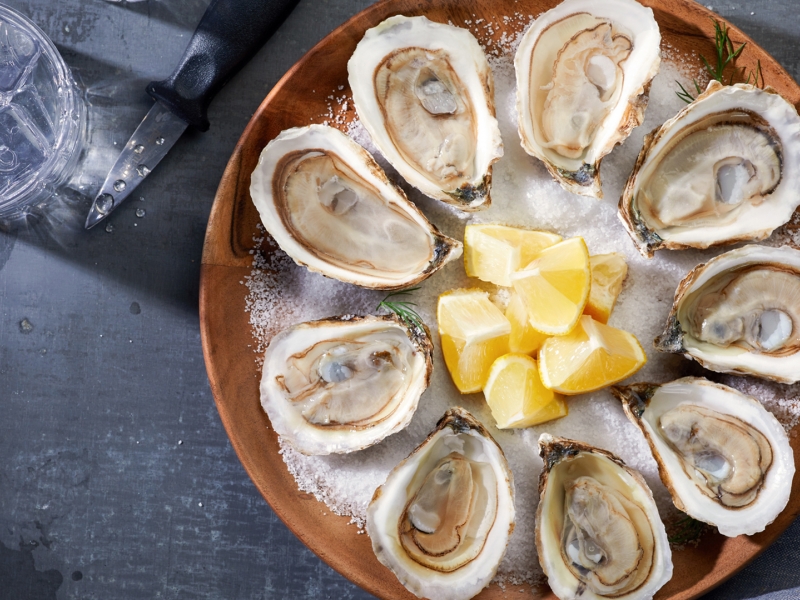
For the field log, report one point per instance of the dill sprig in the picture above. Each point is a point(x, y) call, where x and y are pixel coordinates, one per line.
point(403, 308)
point(726, 55)
point(686, 530)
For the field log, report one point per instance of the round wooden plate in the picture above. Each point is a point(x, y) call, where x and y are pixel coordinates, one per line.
point(226, 334)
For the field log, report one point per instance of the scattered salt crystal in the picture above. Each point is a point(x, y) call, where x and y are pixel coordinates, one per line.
point(280, 294)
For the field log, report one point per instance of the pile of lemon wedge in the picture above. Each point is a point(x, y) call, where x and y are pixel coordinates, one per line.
point(552, 339)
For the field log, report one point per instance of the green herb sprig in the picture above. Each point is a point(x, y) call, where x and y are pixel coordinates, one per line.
point(726, 55)
point(686, 530)
point(403, 308)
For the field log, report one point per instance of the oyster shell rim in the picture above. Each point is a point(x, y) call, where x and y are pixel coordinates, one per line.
point(673, 339)
point(423, 345)
point(635, 399)
point(459, 421)
point(445, 248)
point(647, 240)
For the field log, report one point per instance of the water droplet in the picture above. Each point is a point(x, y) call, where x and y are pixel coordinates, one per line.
point(104, 203)
point(160, 141)
point(141, 198)
point(140, 212)
point(138, 148)
point(109, 228)
point(119, 185)
point(25, 326)
point(66, 28)
point(143, 170)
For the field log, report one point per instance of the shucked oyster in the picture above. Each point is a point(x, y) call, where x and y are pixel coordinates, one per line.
point(424, 91)
point(598, 532)
point(724, 458)
point(725, 169)
point(740, 313)
point(442, 519)
point(345, 383)
point(331, 208)
point(583, 75)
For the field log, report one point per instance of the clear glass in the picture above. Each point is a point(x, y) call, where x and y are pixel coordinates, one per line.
point(42, 117)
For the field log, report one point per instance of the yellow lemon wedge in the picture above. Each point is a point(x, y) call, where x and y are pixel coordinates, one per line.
point(555, 286)
point(493, 252)
point(592, 356)
point(516, 396)
point(524, 339)
point(474, 333)
point(608, 273)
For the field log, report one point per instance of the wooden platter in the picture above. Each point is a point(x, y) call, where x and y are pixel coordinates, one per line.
point(300, 97)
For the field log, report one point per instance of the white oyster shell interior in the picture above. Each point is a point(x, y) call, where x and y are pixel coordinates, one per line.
point(598, 531)
point(725, 459)
point(740, 313)
point(341, 385)
point(331, 208)
point(424, 92)
point(442, 519)
point(724, 169)
point(581, 69)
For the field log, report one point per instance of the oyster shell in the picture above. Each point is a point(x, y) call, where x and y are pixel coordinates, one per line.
point(344, 383)
point(725, 169)
point(442, 519)
point(598, 532)
point(332, 209)
point(740, 313)
point(425, 93)
point(583, 74)
point(724, 458)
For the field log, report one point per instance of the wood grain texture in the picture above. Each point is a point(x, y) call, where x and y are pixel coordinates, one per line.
point(296, 100)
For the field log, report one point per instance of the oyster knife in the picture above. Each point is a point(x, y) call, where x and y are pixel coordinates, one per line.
point(229, 34)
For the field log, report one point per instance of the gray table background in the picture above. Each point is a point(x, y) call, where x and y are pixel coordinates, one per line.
point(117, 480)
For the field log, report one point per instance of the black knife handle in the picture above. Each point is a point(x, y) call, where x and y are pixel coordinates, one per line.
point(229, 34)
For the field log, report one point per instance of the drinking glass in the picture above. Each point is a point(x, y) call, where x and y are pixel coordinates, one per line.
point(42, 117)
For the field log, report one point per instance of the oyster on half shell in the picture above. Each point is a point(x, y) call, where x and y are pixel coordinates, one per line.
point(344, 383)
point(583, 74)
point(424, 92)
point(332, 209)
point(723, 457)
point(740, 313)
point(598, 531)
point(725, 169)
point(442, 519)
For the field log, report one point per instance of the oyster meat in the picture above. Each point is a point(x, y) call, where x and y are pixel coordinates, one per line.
point(583, 74)
point(344, 383)
point(725, 169)
point(424, 92)
point(724, 458)
point(740, 313)
point(332, 209)
point(598, 532)
point(442, 519)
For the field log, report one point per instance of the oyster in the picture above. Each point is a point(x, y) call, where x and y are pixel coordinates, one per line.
point(725, 169)
point(331, 208)
point(598, 532)
point(442, 519)
point(740, 313)
point(583, 74)
point(425, 93)
point(344, 383)
point(724, 458)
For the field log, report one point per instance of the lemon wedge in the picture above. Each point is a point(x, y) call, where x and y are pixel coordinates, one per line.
point(555, 286)
point(524, 339)
point(474, 333)
point(516, 396)
point(608, 273)
point(493, 252)
point(590, 357)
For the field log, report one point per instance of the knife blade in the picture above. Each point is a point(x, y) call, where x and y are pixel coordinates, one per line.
point(229, 34)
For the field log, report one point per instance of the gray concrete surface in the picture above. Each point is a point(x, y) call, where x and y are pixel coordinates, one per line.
point(117, 480)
